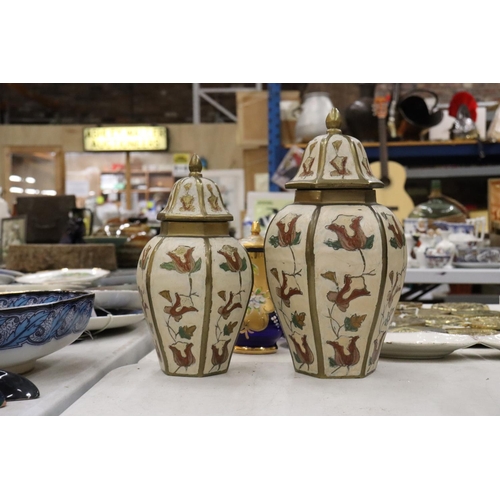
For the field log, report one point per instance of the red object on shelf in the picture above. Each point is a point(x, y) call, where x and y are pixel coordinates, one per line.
point(463, 98)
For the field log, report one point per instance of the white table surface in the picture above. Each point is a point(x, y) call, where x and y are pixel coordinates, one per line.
point(467, 382)
point(451, 275)
point(64, 376)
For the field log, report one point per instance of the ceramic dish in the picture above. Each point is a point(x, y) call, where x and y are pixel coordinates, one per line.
point(11, 272)
point(63, 276)
point(35, 324)
point(100, 323)
point(421, 343)
point(21, 287)
point(477, 265)
point(117, 299)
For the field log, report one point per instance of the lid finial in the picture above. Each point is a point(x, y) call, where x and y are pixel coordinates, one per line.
point(195, 166)
point(255, 228)
point(333, 120)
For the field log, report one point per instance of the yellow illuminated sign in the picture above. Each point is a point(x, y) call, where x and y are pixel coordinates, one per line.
point(136, 138)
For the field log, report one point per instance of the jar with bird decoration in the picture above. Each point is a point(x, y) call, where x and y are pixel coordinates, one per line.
point(335, 260)
point(194, 280)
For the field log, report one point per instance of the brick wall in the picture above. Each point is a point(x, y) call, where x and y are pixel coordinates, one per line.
point(68, 103)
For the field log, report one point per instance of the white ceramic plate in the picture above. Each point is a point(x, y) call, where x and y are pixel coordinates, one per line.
point(477, 265)
point(21, 287)
point(116, 299)
point(10, 272)
point(423, 344)
point(63, 276)
point(98, 323)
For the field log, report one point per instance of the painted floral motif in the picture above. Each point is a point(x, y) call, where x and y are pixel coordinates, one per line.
point(396, 280)
point(346, 353)
point(234, 262)
point(398, 239)
point(288, 237)
point(287, 234)
point(351, 237)
point(364, 161)
point(187, 199)
point(183, 356)
point(226, 310)
point(307, 167)
point(302, 352)
point(143, 260)
point(180, 305)
point(339, 163)
point(352, 288)
point(281, 290)
point(213, 199)
point(220, 353)
point(355, 241)
point(67, 316)
point(182, 260)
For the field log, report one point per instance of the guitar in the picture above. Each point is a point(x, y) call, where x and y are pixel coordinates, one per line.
point(391, 173)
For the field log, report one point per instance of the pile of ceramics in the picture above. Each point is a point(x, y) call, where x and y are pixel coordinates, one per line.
point(444, 244)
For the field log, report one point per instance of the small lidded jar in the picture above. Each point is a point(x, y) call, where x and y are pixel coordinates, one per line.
point(195, 280)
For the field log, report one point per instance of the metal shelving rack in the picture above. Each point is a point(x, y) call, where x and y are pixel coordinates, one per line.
point(276, 151)
point(428, 152)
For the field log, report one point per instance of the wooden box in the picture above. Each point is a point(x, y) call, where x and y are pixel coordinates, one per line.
point(32, 258)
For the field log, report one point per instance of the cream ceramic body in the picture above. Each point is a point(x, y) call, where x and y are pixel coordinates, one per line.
point(335, 261)
point(195, 281)
point(335, 290)
point(194, 300)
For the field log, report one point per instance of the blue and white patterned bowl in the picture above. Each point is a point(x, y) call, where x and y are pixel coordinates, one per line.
point(34, 324)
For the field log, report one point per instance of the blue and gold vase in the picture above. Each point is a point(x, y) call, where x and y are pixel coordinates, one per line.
point(261, 328)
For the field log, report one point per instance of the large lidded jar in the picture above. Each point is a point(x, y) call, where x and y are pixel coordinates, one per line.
point(335, 260)
point(195, 280)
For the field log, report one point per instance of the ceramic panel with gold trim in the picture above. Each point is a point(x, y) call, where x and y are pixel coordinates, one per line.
point(288, 254)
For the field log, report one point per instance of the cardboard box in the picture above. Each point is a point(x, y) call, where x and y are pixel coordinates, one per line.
point(252, 113)
point(255, 162)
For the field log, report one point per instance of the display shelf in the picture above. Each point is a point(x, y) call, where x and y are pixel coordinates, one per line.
point(152, 179)
point(268, 385)
point(451, 275)
point(65, 375)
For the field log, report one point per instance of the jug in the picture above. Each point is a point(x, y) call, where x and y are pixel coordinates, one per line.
point(80, 224)
point(311, 116)
point(415, 115)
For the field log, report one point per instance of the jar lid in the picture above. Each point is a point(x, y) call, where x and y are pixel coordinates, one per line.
point(195, 199)
point(334, 161)
point(255, 240)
